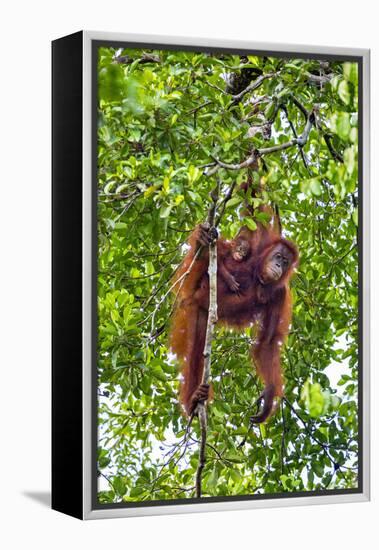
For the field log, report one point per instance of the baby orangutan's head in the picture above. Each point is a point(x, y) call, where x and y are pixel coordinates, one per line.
point(240, 249)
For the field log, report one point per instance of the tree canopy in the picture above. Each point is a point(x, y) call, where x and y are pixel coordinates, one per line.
point(171, 123)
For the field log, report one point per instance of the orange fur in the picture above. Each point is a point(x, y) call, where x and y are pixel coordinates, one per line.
point(267, 304)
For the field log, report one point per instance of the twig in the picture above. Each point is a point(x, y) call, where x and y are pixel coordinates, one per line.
point(245, 164)
point(300, 106)
point(180, 280)
point(253, 86)
point(311, 434)
point(109, 481)
point(335, 154)
point(203, 440)
point(195, 109)
point(283, 442)
point(250, 88)
point(227, 198)
point(212, 320)
point(133, 199)
point(319, 79)
point(339, 260)
point(145, 58)
point(158, 254)
point(171, 453)
point(305, 162)
point(251, 159)
point(246, 436)
point(216, 87)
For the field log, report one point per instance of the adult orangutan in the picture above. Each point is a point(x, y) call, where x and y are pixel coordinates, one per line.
point(253, 277)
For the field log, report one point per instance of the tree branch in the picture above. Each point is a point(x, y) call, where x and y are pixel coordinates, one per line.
point(304, 159)
point(300, 141)
point(145, 58)
point(250, 88)
point(203, 440)
point(253, 86)
point(311, 435)
point(300, 106)
point(212, 320)
point(335, 154)
point(245, 164)
point(227, 198)
point(319, 79)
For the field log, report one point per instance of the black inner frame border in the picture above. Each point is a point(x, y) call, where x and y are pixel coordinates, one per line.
point(95, 45)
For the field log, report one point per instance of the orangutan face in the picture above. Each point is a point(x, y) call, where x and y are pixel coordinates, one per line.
point(241, 249)
point(277, 263)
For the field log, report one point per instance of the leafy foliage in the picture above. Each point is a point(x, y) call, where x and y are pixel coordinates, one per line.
point(164, 116)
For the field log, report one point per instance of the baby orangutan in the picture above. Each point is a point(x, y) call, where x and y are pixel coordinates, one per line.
point(229, 255)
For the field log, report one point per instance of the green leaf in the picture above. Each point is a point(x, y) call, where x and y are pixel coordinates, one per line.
point(165, 211)
point(311, 186)
point(158, 373)
point(193, 174)
point(350, 159)
point(315, 186)
point(286, 481)
point(318, 468)
point(119, 485)
point(234, 457)
point(343, 92)
point(250, 224)
point(340, 124)
point(234, 202)
point(254, 60)
point(212, 480)
point(270, 110)
point(149, 268)
point(313, 398)
point(350, 72)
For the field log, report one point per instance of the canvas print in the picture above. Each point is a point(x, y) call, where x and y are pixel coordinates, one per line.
point(227, 284)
